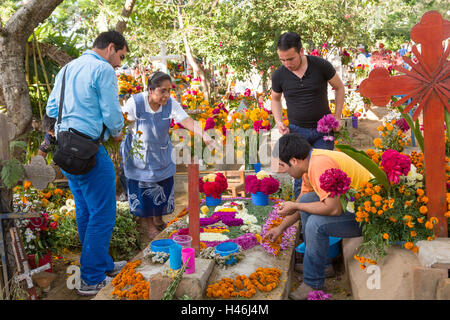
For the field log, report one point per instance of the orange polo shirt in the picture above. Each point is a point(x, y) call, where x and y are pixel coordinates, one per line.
point(322, 160)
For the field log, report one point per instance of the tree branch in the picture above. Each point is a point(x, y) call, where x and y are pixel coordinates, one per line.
point(28, 17)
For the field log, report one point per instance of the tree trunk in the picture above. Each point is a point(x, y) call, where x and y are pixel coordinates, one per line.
point(198, 70)
point(126, 13)
point(13, 37)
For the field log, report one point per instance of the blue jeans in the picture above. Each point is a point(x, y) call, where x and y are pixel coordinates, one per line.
point(315, 139)
point(95, 200)
point(316, 231)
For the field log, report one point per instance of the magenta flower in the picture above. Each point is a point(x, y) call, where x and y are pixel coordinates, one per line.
point(402, 125)
point(209, 124)
point(395, 165)
point(318, 295)
point(335, 181)
point(327, 123)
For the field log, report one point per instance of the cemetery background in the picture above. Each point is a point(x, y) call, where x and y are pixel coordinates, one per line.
point(191, 75)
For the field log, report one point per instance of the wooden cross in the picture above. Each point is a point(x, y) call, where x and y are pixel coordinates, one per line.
point(4, 216)
point(22, 261)
point(163, 57)
point(428, 85)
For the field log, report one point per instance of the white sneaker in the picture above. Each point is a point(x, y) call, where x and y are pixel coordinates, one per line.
point(117, 268)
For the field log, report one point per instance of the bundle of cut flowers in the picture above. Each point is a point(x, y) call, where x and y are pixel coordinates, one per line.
point(261, 182)
point(326, 124)
point(335, 181)
point(213, 184)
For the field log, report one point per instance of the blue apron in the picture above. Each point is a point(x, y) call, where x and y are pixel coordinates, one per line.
point(156, 147)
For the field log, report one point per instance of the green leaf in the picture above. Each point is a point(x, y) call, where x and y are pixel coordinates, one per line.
point(447, 122)
point(415, 127)
point(12, 172)
point(17, 144)
point(362, 158)
point(343, 201)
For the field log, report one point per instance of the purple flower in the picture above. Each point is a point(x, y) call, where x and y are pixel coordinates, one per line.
point(318, 295)
point(327, 123)
point(402, 124)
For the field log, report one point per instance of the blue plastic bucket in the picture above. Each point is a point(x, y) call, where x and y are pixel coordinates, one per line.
point(260, 199)
point(227, 248)
point(212, 202)
point(257, 167)
point(161, 245)
point(333, 251)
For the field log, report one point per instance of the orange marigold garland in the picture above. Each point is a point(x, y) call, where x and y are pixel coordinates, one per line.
point(129, 284)
point(265, 279)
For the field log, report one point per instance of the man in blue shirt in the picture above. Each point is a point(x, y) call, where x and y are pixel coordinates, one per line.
point(90, 100)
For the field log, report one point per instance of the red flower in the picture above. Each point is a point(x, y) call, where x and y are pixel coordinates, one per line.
point(395, 165)
point(53, 225)
point(335, 181)
point(214, 189)
point(266, 185)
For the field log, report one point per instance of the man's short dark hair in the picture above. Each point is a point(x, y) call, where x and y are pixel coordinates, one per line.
point(289, 40)
point(107, 37)
point(291, 145)
point(156, 79)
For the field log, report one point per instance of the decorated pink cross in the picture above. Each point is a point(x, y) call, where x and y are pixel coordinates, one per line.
point(427, 84)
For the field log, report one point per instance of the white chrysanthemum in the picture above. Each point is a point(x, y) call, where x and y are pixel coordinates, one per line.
point(419, 176)
point(252, 228)
point(209, 178)
point(419, 185)
point(262, 174)
point(350, 207)
point(70, 203)
point(212, 236)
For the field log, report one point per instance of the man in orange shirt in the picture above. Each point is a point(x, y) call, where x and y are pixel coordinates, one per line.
point(322, 215)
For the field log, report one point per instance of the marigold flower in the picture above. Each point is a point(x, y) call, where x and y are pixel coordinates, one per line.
point(408, 245)
point(385, 236)
point(423, 209)
point(434, 220)
point(27, 185)
point(429, 225)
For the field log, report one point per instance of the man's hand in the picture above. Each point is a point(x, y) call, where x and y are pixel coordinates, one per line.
point(287, 208)
point(118, 138)
point(273, 234)
point(341, 124)
point(282, 128)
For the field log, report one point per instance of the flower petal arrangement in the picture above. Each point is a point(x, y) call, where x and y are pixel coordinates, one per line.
point(213, 185)
point(261, 182)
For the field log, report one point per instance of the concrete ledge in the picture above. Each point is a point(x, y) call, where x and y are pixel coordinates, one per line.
point(391, 279)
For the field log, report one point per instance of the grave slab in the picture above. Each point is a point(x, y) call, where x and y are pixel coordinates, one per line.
point(210, 273)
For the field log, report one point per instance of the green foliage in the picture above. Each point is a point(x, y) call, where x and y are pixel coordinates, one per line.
point(362, 158)
point(125, 237)
point(12, 172)
point(67, 235)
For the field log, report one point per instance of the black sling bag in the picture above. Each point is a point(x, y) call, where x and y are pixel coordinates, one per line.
point(75, 152)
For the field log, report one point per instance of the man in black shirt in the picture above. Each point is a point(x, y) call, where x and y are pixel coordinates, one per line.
point(303, 81)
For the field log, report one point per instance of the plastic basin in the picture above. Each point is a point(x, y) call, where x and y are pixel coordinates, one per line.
point(161, 245)
point(260, 199)
point(333, 251)
point(227, 248)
